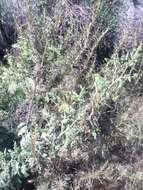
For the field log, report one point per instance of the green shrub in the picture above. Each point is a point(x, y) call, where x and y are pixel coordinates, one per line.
point(63, 108)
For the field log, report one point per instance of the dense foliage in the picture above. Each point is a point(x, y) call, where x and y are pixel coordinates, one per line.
point(66, 88)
